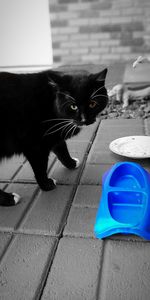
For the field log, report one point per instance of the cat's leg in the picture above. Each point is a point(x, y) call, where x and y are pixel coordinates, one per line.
point(39, 161)
point(63, 155)
point(8, 199)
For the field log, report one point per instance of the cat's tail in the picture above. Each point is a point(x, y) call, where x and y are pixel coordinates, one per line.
point(8, 199)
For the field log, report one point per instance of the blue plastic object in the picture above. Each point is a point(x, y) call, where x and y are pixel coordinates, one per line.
point(125, 202)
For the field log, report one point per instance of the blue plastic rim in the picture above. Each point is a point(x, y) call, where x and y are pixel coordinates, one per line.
point(125, 201)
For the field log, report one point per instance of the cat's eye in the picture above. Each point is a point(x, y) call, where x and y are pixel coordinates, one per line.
point(73, 107)
point(92, 104)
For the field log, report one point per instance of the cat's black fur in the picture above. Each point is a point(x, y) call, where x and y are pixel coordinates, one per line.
point(39, 111)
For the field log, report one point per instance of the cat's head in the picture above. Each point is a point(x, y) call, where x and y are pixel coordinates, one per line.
point(80, 97)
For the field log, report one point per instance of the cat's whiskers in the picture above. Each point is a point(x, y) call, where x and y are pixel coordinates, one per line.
point(96, 91)
point(104, 86)
point(60, 123)
point(74, 128)
point(69, 129)
point(99, 95)
point(48, 132)
point(57, 119)
point(56, 125)
point(66, 127)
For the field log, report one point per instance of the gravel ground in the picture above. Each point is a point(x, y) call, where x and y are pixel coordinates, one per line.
point(135, 109)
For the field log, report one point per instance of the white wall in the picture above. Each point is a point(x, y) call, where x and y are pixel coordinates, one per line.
point(25, 36)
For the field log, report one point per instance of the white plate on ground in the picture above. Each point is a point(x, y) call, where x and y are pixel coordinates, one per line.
point(132, 146)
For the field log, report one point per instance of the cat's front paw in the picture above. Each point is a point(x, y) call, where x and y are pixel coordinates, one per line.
point(8, 199)
point(74, 163)
point(49, 185)
point(77, 162)
point(16, 198)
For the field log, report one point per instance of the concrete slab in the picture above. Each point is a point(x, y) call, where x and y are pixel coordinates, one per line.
point(106, 134)
point(108, 157)
point(5, 239)
point(122, 123)
point(80, 222)
point(100, 153)
point(92, 174)
point(126, 271)
point(26, 174)
point(3, 185)
point(75, 146)
point(11, 216)
point(114, 132)
point(9, 167)
point(48, 213)
point(75, 270)
point(147, 126)
point(24, 266)
point(87, 196)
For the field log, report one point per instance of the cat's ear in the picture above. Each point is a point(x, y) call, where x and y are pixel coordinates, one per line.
point(57, 79)
point(52, 83)
point(54, 78)
point(101, 76)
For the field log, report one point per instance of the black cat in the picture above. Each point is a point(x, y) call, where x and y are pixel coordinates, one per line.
point(39, 111)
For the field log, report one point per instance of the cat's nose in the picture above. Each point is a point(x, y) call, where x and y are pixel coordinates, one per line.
point(83, 120)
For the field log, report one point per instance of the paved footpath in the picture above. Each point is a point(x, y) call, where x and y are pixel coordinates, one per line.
point(47, 247)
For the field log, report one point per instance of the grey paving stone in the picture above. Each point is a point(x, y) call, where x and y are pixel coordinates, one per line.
point(126, 271)
point(122, 123)
point(101, 145)
point(3, 185)
point(48, 213)
point(104, 157)
point(92, 174)
point(127, 238)
point(9, 167)
point(75, 270)
point(147, 126)
point(87, 196)
point(4, 240)
point(102, 140)
point(100, 153)
point(108, 157)
point(77, 146)
point(110, 134)
point(11, 216)
point(26, 173)
point(24, 267)
point(80, 222)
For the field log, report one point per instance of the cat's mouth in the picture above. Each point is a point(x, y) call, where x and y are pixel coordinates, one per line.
point(80, 124)
point(89, 122)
